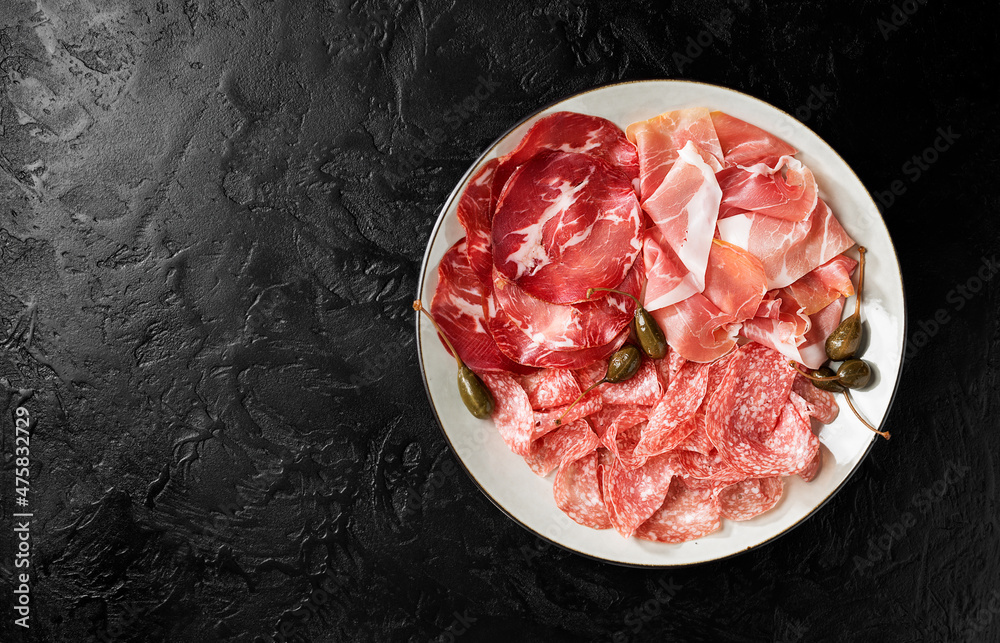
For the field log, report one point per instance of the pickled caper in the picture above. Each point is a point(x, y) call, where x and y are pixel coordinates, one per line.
point(854, 373)
point(831, 385)
point(623, 365)
point(647, 331)
point(824, 378)
point(844, 341)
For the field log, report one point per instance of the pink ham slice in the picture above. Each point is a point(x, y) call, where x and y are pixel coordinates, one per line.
point(688, 512)
point(786, 190)
point(746, 144)
point(577, 492)
point(820, 287)
point(564, 223)
point(659, 140)
point(457, 307)
point(568, 327)
point(788, 249)
point(667, 280)
point(804, 342)
point(475, 213)
point(684, 208)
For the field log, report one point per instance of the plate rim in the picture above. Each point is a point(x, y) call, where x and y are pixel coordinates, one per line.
point(438, 224)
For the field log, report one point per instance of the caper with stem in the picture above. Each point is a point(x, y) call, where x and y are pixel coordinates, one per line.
point(825, 379)
point(647, 331)
point(475, 395)
point(844, 341)
point(623, 365)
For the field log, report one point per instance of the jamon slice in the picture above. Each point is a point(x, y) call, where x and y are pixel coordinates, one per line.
point(820, 287)
point(746, 144)
point(788, 249)
point(567, 327)
point(786, 190)
point(667, 280)
point(577, 491)
point(475, 213)
point(684, 208)
point(687, 513)
point(659, 139)
point(749, 498)
point(566, 444)
point(797, 338)
point(632, 496)
point(457, 307)
point(564, 223)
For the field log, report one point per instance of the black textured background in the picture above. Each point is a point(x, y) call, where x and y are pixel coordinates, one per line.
point(212, 215)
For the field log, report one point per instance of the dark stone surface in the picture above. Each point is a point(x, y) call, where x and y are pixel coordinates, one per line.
point(211, 220)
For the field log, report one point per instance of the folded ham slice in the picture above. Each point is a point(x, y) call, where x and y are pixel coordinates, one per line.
point(659, 140)
point(795, 335)
point(820, 287)
point(785, 190)
point(746, 144)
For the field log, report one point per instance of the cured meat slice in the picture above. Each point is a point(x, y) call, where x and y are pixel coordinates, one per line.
point(573, 132)
point(642, 389)
point(475, 213)
point(550, 387)
point(559, 447)
point(577, 491)
point(711, 467)
point(821, 404)
point(667, 280)
point(751, 497)
point(659, 139)
point(786, 190)
point(697, 440)
point(457, 308)
point(625, 443)
point(784, 334)
point(512, 412)
point(524, 352)
point(788, 249)
point(672, 418)
point(632, 496)
point(820, 287)
point(613, 419)
point(735, 280)
point(565, 327)
point(684, 207)
point(812, 469)
point(686, 514)
point(564, 223)
point(746, 144)
point(545, 421)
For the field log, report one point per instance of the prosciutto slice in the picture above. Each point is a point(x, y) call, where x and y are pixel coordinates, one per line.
point(786, 190)
point(746, 144)
point(457, 307)
point(820, 287)
point(783, 334)
point(667, 280)
point(564, 223)
point(475, 213)
point(788, 249)
point(659, 140)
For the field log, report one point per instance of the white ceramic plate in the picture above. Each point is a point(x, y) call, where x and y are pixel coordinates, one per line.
point(527, 498)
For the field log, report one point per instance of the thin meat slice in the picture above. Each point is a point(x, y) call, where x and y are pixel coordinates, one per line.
point(475, 213)
point(735, 281)
point(672, 418)
point(784, 334)
point(787, 190)
point(568, 327)
point(457, 308)
point(564, 223)
point(746, 144)
point(577, 492)
point(613, 419)
point(684, 207)
point(687, 513)
point(632, 496)
point(524, 352)
point(821, 404)
point(710, 467)
point(550, 387)
point(642, 389)
point(559, 447)
point(512, 412)
point(659, 139)
point(812, 469)
point(820, 287)
point(545, 421)
point(668, 281)
point(751, 497)
point(788, 249)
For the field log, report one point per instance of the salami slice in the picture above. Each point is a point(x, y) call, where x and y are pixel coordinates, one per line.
point(475, 213)
point(512, 413)
point(751, 497)
point(821, 404)
point(711, 467)
point(550, 387)
point(577, 492)
point(642, 389)
point(546, 421)
point(564, 445)
point(672, 419)
point(686, 514)
point(697, 440)
point(565, 223)
point(615, 419)
point(632, 496)
point(812, 469)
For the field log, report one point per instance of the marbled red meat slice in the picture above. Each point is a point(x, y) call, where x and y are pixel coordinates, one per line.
point(672, 418)
point(751, 497)
point(642, 389)
point(746, 144)
point(550, 387)
point(545, 421)
point(569, 327)
point(457, 307)
point(573, 132)
point(788, 249)
point(660, 138)
point(787, 190)
point(577, 492)
point(566, 444)
point(513, 343)
point(822, 405)
point(512, 413)
point(820, 287)
point(633, 495)
point(687, 513)
point(475, 213)
point(564, 223)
